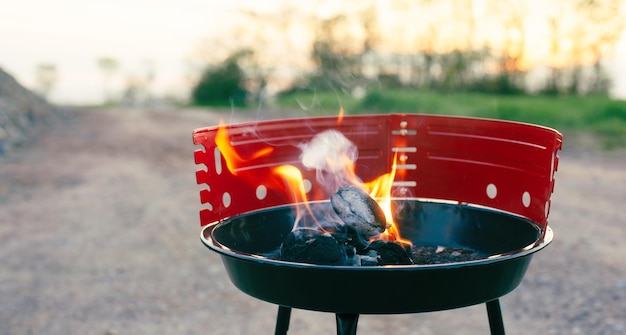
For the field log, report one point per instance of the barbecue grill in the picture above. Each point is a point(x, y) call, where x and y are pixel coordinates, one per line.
point(471, 183)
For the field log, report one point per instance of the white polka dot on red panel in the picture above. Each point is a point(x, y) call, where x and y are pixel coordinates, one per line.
point(226, 200)
point(492, 191)
point(261, 192)
point(526, 199)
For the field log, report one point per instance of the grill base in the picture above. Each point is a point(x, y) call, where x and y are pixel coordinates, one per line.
point(347, 322)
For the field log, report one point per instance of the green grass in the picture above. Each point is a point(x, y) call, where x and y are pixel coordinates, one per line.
point(598, 116)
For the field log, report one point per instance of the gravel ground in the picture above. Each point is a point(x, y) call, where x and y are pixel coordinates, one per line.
point(99, 234)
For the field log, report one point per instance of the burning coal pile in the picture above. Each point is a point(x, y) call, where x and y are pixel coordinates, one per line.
point(347, 243)
point(360, 230)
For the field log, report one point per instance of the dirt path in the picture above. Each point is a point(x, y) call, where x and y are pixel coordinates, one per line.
point(99, 234)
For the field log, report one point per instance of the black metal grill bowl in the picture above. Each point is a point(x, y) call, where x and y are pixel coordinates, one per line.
point(510, 240)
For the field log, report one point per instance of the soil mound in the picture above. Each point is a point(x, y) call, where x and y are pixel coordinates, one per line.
point(21, 113)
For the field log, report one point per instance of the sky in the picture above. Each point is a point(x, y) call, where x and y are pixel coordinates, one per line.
point(73, 34)
point(140, 34)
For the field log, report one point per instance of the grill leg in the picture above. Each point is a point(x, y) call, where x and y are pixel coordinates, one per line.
point(496, 325)
point(346, 323)
point(282, 320)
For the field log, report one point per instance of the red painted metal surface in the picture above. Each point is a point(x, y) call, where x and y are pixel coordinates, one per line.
point(503, 165)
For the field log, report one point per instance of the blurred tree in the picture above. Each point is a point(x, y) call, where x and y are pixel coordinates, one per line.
point(149, 74)
point(279, 39)
point(46, 76)
point(511, 68)
point(136, 90)
point(109, 67)
point(336, 60)
point(449, 44)
point(369, 22)
point(223, 84)
point(582, 32)
point(591, 44)
point(551, 85)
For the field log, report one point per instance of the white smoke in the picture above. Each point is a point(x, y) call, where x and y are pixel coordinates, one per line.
point(332, 155)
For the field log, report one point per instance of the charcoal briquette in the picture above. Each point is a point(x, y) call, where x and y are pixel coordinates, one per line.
point(312, 247)
point(359, 211)
point(391, 253)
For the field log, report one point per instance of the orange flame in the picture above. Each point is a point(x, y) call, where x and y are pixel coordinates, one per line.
point(294, 180)
point(292, 176)
point(233, 159)
point(380, 189)
point(340, 116)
